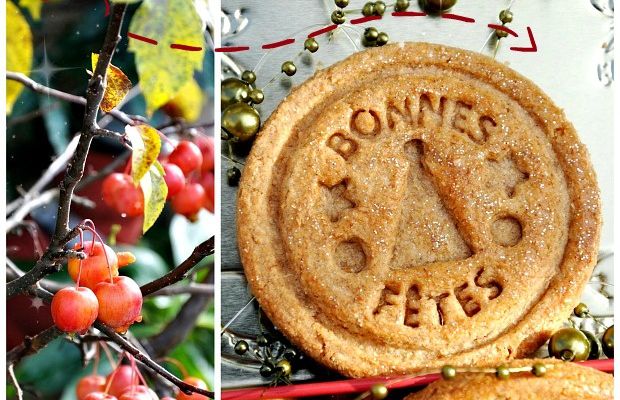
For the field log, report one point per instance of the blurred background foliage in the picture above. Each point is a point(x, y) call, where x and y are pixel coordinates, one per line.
point(38, 129)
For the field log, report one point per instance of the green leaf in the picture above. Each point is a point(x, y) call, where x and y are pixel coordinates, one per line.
point(18, 51)
point(155, 192)
point(146, 144)
point(164, 70)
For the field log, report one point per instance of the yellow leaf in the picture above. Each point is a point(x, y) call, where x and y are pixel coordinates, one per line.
point(187, 104)
point(33, 6)
point(164, 70)
point(155, 192)
point(117, 86)
point(18, 51)
point(146, 144)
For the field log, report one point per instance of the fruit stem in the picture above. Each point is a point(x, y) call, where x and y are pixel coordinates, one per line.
point(96, 363)
point(90, 226)
point(128, 166)
point(177, 364)
point(138, 372)
point(77, 281)
point(107, 352)
point(166, 138)
point(133, 375)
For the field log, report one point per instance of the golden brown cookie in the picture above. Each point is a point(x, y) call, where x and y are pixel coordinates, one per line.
point(561, 381)
point(416, 205)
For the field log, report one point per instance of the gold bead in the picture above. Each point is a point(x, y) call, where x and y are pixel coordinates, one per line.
point(285, 367)
point(338, 17)
point(448, 372)
point(378, 391)
point(311, 45)
point(401, 5)
point(289, 68)
point(382, 39)
point(539, 369)
point(505, 16)
point(437, 6)
point(581, 310)
point(233, 91)
point(241, 121)
point(248, 76)
point(257, 96)
point(379, 8)
point(501, 33)
point(502, 372)
point(368, 9)
point(569, 344)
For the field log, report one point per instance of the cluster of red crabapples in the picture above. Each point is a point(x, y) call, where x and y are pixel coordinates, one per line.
point(126, 382)
point(188, 172)
point(99, 293)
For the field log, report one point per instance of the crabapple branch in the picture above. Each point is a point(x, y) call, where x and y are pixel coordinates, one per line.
point(201, 251)
point(120, 340)
point(146, 360)
point(50, 261)
point(32, 344)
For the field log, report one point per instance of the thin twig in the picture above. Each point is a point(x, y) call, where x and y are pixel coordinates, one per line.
point(32, 344)
point(18, 389)
point(50, 173)
point(71, 98)
point(146, 360)
point(201, 251)
point(192, 288)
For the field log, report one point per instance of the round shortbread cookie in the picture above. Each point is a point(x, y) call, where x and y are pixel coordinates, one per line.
point(416, 205)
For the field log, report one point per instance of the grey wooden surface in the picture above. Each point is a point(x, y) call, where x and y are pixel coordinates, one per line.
point(569, 37)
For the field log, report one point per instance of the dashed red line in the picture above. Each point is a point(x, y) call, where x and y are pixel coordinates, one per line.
point(323, 30)
point(185, 47)
point(141, 38)
point(458, 17)
point(231, 49)
point(409, 14)
point(503, 28)
point(365, 19)
point(280, 43)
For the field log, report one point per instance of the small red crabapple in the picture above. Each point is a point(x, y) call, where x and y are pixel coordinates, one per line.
point(138, 392)
point(175, 180)
point(187, 156)
point(208, 183)
point(120, 303)
point(94, 266)
point(88, 385)
point(99, 396)
point(189, 201)
point(120, 379)
point(74, 310)
point(197, 382)
point(120, 193)
point(207, 147)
